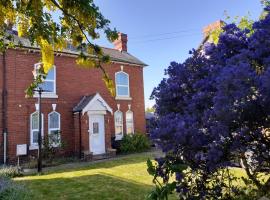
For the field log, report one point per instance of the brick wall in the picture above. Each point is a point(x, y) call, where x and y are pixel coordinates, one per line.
point(72, 83)
point(76, 133)
point(85, 133)
point(108, 132)
point(1, 93)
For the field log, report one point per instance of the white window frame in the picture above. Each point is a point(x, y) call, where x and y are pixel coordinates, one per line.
point(32, 144)
point(118, 136)
point(122, 96)
point(55, 129)
point(130, 112)
point(48, 94)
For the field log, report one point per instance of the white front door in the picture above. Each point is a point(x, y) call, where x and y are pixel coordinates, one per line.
point(96, 134)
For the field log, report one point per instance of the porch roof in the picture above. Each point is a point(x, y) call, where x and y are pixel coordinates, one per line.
point(87, 100)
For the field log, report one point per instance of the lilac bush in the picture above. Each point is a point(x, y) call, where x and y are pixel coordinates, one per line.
point(213, 110)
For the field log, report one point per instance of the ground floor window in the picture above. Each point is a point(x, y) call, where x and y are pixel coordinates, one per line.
point(129, 122)
point(118, 122)
point(34, 125)
point(54, 128)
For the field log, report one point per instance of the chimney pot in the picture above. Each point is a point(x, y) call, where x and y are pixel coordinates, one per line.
point(121, 43)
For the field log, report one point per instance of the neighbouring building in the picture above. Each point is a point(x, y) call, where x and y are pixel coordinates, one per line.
point(207, 30)
point(148, 117)
point(77, 104)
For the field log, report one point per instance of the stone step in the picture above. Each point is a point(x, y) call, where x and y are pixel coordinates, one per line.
point(100, 156)
point(88, 156)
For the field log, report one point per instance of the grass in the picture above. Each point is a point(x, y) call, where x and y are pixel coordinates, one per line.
point(123, 178)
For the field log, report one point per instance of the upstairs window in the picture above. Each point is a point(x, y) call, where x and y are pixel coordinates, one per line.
point(118, 123)
point(34, 128)
point(54, 128)
point(122, 84)
point(129, 122)
point(49, 84)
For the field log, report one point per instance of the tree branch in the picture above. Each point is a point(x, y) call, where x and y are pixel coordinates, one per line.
point(257, 183)
point(82, 31)
point(74, 18)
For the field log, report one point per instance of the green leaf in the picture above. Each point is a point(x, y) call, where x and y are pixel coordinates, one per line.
point(151, 168)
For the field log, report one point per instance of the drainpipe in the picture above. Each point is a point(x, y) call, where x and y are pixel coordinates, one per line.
point(5, 147)
point(80, 132)
point(4, 109)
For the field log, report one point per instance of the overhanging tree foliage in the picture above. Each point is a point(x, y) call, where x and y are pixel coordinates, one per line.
point(213, 110)
point(52, 24)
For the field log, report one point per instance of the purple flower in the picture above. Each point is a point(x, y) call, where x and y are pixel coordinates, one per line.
point(214, 107)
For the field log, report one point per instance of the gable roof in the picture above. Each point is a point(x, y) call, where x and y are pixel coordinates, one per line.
point(87, 100)
point(115, 55)
point(83, 102)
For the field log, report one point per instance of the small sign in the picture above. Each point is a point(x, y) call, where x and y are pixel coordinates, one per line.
point(21, 149)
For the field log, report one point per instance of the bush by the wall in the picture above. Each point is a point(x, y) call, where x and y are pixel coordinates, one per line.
point(10, 172)
point(134, 143)
point(52, 146)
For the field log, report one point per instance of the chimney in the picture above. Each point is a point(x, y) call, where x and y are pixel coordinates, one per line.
point(211, 27)
point(121, 43)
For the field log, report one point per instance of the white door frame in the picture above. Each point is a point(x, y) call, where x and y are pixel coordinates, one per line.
point(96, 106)
point(97, 144)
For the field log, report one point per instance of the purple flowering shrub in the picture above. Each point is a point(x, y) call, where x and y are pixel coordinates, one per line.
point(213, 110)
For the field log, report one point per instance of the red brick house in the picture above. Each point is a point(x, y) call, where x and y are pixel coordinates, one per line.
point(78, 104)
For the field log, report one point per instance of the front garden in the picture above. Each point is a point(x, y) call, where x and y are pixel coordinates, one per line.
point(121, 178)
point(125, 177)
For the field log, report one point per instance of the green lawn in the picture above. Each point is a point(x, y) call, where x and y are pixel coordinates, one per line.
point(124, 179)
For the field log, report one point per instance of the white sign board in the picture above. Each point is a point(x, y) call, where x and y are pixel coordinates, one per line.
point(21, 149)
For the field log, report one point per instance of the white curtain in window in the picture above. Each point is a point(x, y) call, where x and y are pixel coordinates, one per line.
point(54, 128)
point(34, 128)
point(118, 122)
point(129, 122)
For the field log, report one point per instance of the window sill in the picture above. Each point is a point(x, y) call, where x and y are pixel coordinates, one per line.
point(123, 98)
point(46, 95)
point(35, 147)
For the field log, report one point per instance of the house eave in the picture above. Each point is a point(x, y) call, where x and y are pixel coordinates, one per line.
point(74, 55)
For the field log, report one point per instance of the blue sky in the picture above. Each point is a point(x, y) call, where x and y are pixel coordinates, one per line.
point(162, 31)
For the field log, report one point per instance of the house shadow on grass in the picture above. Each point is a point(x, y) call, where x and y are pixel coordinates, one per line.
point(102, 164)
point(92, 187)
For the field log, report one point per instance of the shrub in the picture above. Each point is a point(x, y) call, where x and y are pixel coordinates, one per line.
point(9, 190)
point(52, 145)
point(10, 172)
point(134, 143)
point(214, 108)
